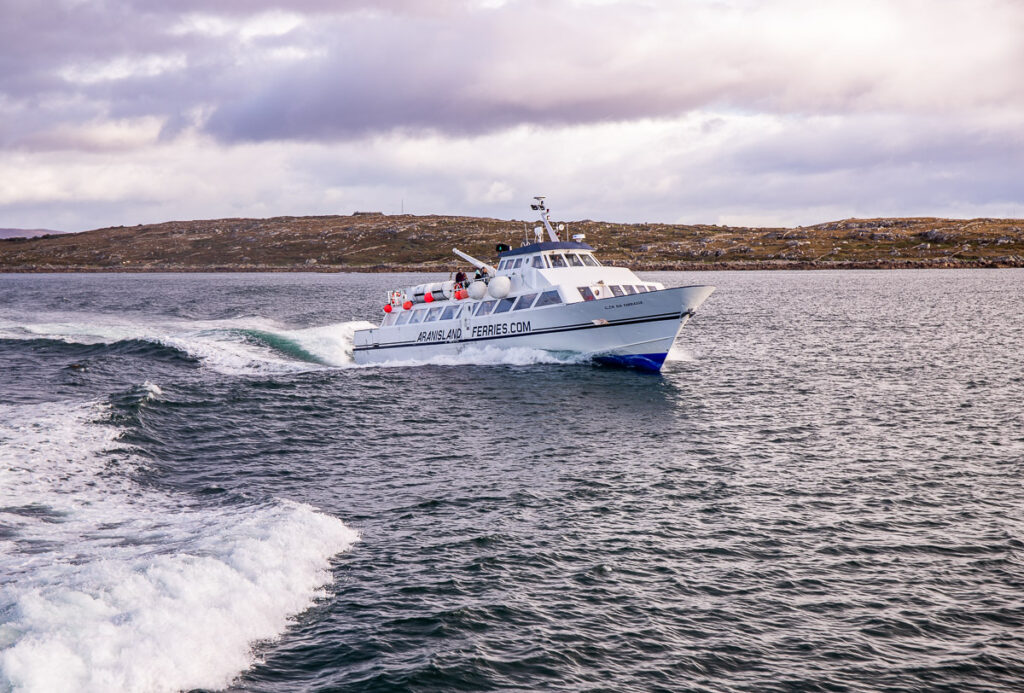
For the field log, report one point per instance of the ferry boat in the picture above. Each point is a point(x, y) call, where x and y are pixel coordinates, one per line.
point(553, 295)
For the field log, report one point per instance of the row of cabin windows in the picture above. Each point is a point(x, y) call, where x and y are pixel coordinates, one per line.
point(412, 317)
point(503, 305)
point(553, 260)
point(590, 294)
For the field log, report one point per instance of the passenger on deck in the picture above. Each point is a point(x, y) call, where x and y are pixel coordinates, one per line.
point(479, 274)
point(460, 277)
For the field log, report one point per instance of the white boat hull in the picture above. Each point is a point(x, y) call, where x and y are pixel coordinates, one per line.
point(634, 331)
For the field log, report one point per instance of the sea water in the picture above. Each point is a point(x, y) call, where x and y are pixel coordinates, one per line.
point(821, 491)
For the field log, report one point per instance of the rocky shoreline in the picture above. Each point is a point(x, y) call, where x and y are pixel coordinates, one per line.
point(955, 263)
point(381, 243)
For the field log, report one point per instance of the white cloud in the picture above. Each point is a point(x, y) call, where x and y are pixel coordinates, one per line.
point(99, 135)
point(638, 110)
point(261, 24)
point(122, 67)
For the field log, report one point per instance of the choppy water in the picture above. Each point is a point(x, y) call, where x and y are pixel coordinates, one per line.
point(822, 491)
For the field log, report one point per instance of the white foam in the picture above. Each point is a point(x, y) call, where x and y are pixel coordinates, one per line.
point(332, 344)
point(107, 585)
point(491, 356)
point(678, 353)
point(153, 391)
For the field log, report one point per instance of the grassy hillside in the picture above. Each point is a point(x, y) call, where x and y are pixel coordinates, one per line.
point(377, 242)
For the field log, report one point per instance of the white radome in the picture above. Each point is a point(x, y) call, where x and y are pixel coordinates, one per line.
point(477, 290)
point(499, 287)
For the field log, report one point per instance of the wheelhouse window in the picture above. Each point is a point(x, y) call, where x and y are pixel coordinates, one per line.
point(628, 289)
point(433, 314)
point(417, 316)
point(450, 312)
point(504, 305)
point(557, 260)
point(616, 290)
point(641, 289)
point(517, 264)
point(403, 317)
point(538, 261)
point(589, 259)
point(525, 301)
point(575, 260)
point(389, 319)
point(548, 298)
point(586, 293)
point(484, 308)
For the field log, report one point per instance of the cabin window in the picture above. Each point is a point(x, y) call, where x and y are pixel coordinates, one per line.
point(586, 293)
point(641, 289)
point(628, 289)
point(417, 316)
point(548, 298)
point(504, 305)
point(616, 290)
point(525, 301)
point(432, 315)
point(651, 288)
point(403, 317)
point(589, 259)
point(557, 260)
point(574, 260)
point(449, 312)
point(517, 264)
point(389, 319)
point(484, 308)
point(538, 261)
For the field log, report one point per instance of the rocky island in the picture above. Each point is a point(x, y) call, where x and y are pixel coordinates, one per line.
point(374, 242)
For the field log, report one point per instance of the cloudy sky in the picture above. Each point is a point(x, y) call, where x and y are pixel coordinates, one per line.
point(715, 111)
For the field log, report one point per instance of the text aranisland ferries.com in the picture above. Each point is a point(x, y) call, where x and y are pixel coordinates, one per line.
point(477, 331)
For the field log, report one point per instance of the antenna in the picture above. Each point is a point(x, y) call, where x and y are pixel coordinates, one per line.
point(545, 214)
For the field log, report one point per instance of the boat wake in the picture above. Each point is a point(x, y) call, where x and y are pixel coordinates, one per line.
point(254, 346)
point(108, 584)
point(244, 346)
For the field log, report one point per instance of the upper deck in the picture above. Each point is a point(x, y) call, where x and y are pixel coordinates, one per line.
point(536, 275)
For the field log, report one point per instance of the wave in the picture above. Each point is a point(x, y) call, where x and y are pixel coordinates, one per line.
point(249, 346)
point(106, 584)
point(254, 346)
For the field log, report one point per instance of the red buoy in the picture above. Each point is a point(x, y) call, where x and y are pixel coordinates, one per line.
point(387, 308)
point(428, 297)
point(407, 305)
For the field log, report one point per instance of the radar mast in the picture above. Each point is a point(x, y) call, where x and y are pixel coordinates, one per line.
point(545, 217)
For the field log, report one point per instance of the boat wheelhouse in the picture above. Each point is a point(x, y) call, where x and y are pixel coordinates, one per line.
point(553, 295)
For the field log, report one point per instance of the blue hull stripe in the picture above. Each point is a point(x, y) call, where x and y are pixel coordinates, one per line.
point(642, 362)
